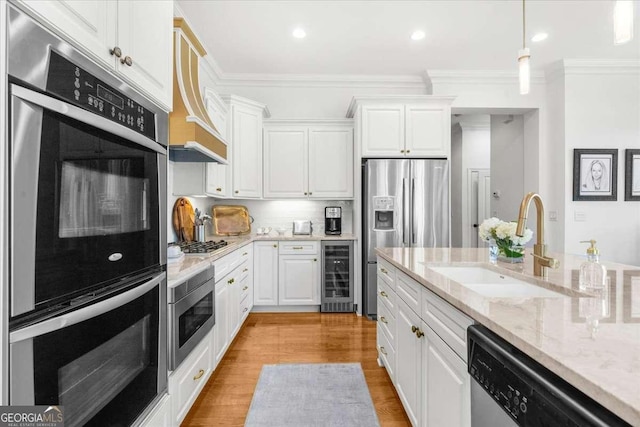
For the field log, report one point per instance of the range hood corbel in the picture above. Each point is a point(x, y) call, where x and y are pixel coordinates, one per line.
point(192, 135)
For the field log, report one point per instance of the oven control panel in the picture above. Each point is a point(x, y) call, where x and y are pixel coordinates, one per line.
point(81, 88)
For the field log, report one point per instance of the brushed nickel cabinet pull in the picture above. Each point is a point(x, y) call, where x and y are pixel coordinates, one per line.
point(127, 60)
point(199, 375)
point(116, 51)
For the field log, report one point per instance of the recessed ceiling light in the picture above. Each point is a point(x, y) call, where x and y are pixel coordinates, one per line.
point(299, 33)
point(417, 35)
point(539, 37)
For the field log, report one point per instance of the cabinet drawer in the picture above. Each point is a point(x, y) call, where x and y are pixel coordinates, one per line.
point(386, 353)
point(387, 296)
point(299, 247)
point(245, 288)
point(386, 322)
point(226, 264)
point(447, 321)
point(191, 379)
point(245, 307)
point(387, 272)
point(243, 270)
point(244, 254)
point(410, 291)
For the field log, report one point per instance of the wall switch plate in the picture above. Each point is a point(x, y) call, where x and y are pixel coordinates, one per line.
point(579, 216)
point(553, 215)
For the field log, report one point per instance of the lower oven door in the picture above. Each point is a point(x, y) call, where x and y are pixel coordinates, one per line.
point(191, 319)
point(104, 363)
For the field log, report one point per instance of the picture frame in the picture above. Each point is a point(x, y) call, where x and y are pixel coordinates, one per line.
point(632, 175)
point(631, 296)
point(581, 308)
point(595, 174)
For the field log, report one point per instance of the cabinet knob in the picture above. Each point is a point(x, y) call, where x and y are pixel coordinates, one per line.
point(245, 254)
point(275, 246)
point(199, 375)
point(384, 294)
point(219, 189)
point(419, 333)
point(245, 310)
point(245, 288)
point(116, 51)
point(310, 193)
point(408, 151)
point(245, 270)
point(383, 351)
point(315, 259)
point(236, 191)
point(383, 270)
point(127, 60)
point(230, 281)
point(305, 193)
point(383, 320)
point(413, 329)
point(402, 151)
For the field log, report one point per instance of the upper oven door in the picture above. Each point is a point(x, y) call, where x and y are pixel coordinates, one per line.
point(85, 201)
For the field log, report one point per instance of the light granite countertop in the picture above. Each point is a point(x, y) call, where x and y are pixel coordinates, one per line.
point(189, 265)
point(602, 361)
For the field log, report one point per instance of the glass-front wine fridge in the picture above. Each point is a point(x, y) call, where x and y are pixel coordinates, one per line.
point(337, 276)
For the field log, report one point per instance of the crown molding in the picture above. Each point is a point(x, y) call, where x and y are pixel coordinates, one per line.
point(322, 80)
point(480, 77)
point(246, 102)
point(601, 66)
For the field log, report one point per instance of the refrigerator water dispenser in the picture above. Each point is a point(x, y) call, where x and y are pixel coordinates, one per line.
point(383, 213)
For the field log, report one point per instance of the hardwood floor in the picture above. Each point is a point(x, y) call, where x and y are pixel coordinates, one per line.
point(272, 338)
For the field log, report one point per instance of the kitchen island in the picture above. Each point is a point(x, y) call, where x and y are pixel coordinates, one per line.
point(602, 359)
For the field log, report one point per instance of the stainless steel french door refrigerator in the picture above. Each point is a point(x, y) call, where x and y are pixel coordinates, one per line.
point(405, 204)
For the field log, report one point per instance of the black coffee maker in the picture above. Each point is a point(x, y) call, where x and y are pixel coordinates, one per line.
point(333, 220)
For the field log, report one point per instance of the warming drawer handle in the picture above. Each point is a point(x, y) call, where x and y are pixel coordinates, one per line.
point(199, 375)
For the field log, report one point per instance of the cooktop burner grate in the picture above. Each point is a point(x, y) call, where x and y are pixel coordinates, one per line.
point(202, 247)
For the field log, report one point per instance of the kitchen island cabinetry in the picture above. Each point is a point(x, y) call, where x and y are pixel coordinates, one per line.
point(245, 138)
point(134, 39)
point(424, 336)
point(308, 159)
point(403, 126)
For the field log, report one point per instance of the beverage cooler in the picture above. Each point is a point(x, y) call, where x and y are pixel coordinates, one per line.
point(337, 276)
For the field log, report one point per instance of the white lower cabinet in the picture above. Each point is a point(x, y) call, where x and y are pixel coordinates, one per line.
point(161, 414)
point(220, 335)
point(428, 365)
point(298, 280)
point(187, 381)
point(265, 263)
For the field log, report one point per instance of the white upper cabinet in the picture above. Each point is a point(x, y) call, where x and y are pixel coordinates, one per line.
point(246, 146)
point(119, 33)
point(403, 126)
point(308, 159)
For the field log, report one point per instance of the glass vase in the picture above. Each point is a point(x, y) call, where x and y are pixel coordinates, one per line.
point(511, 254)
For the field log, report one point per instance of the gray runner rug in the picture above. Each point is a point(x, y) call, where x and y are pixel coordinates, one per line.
point(332, 394)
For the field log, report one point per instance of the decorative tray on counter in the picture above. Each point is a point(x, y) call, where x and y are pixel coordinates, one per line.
point(231, 220)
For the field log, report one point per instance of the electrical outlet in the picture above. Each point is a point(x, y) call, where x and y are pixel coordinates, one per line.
point(553, 215)
point(579, 216)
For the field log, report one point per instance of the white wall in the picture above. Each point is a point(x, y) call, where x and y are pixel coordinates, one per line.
point(602, 111)
point(507, 165)
point(456, 186)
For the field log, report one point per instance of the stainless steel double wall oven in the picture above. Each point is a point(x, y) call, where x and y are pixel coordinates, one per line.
point(87, 173)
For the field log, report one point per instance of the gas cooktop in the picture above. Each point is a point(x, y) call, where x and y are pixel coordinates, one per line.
point(202, 247)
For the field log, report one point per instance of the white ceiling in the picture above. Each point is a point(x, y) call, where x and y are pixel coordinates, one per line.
point(373, 37)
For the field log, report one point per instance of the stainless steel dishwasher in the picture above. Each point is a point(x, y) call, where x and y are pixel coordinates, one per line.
point(508, 388)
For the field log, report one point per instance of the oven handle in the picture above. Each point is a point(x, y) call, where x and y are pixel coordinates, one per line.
point(84, 116)
point(86, 313)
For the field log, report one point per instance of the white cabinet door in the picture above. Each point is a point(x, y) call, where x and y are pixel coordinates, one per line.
point(298, 280)
point(330, 163)
point(246, 141)
point(233, 308)
point(383, 130)
point(285, 162)
point(161, 414)
point(408, 361)
point(221, 327)
point(427, 130)
point(199, 179)
point(265, 268)
point(446, 386)
point(215, 180)
point(91, 24)
point(145, 31)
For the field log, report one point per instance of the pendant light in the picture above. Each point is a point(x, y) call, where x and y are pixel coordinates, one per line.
point(524, 71)
point(622, 21)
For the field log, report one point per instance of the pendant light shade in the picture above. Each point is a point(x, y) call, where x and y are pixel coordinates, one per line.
point(623, 22)
point(524, 70)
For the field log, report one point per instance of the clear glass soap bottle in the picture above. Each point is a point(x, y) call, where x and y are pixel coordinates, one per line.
point(592, 273)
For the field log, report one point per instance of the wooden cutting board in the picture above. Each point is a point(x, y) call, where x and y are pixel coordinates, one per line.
point(183, 219)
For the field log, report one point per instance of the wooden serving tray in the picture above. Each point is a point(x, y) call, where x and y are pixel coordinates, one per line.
point(231, 220)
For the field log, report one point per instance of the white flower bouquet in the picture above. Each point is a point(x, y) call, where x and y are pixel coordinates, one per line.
point(504, 234)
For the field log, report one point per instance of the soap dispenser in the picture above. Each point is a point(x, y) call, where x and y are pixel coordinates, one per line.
point(592, 273)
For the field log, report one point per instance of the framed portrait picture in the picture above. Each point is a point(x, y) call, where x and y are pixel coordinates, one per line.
point(632, 175)
point(595, 174)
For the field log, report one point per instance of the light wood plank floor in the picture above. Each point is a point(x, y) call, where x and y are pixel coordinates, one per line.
point(272, 338)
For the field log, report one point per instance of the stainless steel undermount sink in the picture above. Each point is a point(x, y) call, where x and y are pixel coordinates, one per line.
point(491, 284)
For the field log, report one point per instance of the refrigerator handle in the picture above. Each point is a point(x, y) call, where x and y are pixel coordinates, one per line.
point(413, 210)
point(403, 213)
